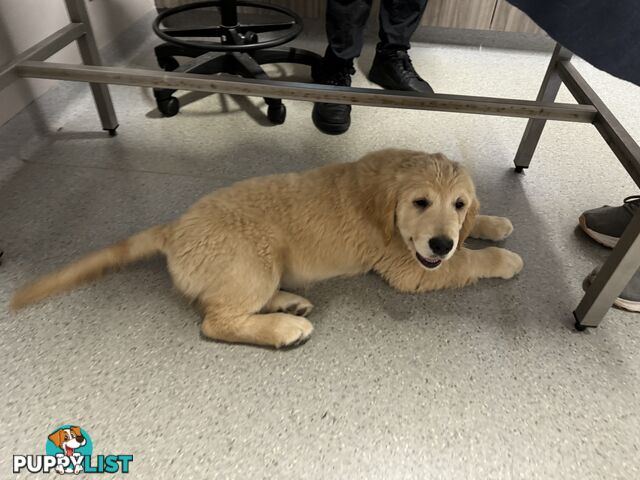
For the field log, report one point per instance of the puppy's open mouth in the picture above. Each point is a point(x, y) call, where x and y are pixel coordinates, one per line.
point(429, 262)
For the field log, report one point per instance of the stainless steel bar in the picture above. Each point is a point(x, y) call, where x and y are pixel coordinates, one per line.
point(90, 56)
point(308, 92)
point(41, 51)
point(614, 275)
point(624, 260)
point(548, 92)
point(621, 143)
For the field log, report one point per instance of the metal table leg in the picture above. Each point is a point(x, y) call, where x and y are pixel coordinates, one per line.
point(90, 56)
point(614, 275)
point(548, 92)
point(624, 261)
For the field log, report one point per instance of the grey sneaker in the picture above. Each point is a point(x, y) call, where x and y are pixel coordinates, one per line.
point(629, 299)
point(606, 224)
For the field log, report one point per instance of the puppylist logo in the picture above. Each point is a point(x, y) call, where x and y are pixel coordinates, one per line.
point(69, 449)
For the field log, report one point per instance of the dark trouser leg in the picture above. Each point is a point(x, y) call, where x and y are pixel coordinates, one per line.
point(399, 19)
point(392, 68)
point(345, 24)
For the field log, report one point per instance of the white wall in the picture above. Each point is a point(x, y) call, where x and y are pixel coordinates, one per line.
point(26, 22)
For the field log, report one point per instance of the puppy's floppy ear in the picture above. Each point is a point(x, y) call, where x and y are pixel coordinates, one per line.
point(76, 431)
point(57, 437)
point(377, 189)
point(469, 221)
point(381, 209)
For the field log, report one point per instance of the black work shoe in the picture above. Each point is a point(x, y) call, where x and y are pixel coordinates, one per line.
point(332, 118)
point(392, 69)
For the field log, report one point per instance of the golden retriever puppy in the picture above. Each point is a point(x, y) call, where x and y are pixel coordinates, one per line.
point(400, 213)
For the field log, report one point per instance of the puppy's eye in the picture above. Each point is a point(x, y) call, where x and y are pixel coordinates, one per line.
point(460, 204)
point(421, 203)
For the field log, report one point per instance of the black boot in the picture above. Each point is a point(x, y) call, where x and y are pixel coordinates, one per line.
point(332, 118)
point(392, 69)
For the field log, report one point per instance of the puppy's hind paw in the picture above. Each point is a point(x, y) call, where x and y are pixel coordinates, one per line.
point(299, 309)
point(291, 330)
point(289, 303)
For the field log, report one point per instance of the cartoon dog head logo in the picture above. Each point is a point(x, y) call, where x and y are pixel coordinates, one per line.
point(69, 441)
point(69, 449)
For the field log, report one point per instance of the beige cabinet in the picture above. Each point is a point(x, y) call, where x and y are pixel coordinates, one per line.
point(508, 18)
point(497, 15)
point(476, 14)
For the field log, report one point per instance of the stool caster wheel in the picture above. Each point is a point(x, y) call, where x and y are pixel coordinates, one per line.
point(277, 114)
point(250, 37)
point(168, 64)
point(519, 169)
point(169, 106)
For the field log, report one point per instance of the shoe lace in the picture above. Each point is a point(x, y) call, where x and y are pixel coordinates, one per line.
point(340, 77)
point(403, 59)
point(631, 203)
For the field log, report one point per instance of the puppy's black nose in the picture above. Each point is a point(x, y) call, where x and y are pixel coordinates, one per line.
point(441, 245)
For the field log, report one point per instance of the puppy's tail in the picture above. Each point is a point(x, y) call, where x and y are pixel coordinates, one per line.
point(137, 247)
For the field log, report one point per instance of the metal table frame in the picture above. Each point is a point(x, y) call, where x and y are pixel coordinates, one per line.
point(613, 276)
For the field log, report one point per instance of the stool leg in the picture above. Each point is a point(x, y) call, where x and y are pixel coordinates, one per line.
point(548, 92)
point(90, 56)
point(207, 63)
point(248, 67)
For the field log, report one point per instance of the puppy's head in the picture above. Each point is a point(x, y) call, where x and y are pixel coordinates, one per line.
point(68, 438)
point(430, 201)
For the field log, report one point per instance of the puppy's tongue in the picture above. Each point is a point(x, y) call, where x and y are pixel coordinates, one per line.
point(68, 451)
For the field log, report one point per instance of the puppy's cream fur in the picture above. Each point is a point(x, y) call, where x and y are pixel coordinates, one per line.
point(236, 248)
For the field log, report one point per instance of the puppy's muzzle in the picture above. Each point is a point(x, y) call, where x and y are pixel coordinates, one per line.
point(440, 246)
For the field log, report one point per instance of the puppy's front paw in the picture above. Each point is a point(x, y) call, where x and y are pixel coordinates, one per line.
point(492, 228)
point(501, 228)
point(509, 264)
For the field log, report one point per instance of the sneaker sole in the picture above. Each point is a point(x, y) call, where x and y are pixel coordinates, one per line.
point(628, 305)
point(601, 238)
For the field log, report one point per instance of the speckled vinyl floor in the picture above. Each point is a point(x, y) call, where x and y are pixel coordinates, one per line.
point(486, 382)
